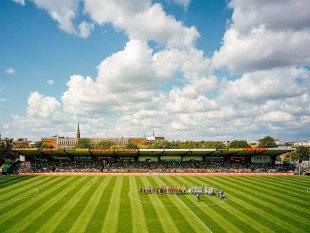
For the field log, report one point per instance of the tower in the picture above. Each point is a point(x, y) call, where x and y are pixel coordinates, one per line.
point(78, 132)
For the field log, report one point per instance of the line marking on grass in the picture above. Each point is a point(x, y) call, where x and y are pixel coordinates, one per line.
point(308, 190)
point(153, 203)
point(29, 188)
point(194, 215)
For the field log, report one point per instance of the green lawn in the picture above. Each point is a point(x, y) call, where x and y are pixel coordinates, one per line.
point(113, 204)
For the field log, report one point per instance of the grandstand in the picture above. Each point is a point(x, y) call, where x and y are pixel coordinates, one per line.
point(225, 155)
point(248, 160)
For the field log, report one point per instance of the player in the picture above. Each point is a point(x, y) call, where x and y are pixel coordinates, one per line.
point(198, 197)
point(222, 193)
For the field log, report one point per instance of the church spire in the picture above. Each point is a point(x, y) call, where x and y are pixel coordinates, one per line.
point(78, 132)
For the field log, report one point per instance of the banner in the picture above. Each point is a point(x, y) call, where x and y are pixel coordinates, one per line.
point(237, 159)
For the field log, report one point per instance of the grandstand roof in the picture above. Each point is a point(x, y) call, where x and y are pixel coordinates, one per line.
point(152, 152)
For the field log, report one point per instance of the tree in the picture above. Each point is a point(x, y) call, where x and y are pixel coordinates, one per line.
point(20, 146)
point(39, 144)
point(215, 145)
point(267, 142)
point(190, 145)
point(239, 144)
point(131, 145)
point(302, 153)
point(144, 145)
point(84, 143)
point(6, 151)
point(106, 144)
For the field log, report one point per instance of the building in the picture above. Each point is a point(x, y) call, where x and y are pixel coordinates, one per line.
point(69, 143)
point(305, 144)
point(50, 141)
point(21, 141)
point(138, 140)
point(279, 142)
point(153, 139)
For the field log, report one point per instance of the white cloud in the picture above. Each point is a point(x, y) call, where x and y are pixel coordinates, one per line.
point(61, 11)
point(262, 37)
point(10, 71)
point(42, 107)
point(260, 86)
point(273, 14)
point(50, 82)
point(142, 20)
point(126, 81)
point(2, 99)
point(131, 79)
point(183, 3)
point(22, 2)
point(85, 29)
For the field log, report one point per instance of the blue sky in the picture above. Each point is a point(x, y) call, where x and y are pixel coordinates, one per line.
point(184, 69)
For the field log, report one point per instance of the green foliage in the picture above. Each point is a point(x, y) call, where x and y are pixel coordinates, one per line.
point(144, 145)
point(215, 145)
point(8, 161)
point(6, 152)
point(267, 142)
point(20, 146)
point(131, 145)
point(107, 144)
point(302, 153)
point(39, 144)
point(290, 157)
point(84, 143)
point(239, 144)
point(191, 145)
point(166, 145)
point(6, 143)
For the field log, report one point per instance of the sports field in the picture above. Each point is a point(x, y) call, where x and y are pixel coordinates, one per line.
point(113, 204)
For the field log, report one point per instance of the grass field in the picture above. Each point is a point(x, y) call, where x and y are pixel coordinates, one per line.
point(113, 204)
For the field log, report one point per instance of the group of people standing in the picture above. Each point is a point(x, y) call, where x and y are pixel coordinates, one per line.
point(181, 190)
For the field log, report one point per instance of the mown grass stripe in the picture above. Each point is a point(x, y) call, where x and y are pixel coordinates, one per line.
point(77, 206)
point(286, 187)
point(231, 213)
point(290, 186)
point(101, 208)
point(245, 204)
point(190, 220)
point(67, 204)
point(151, 216)
point(280, 192)
point(86, 215)
point(138, 216)
point(33, 219)
point(111, 219)
point(13, 181)
point(125, 214)
point(274, 202)
point(267, 215)
point(21, 185)
point(214, 212)
point(20, 207)
point(21, 193)
point(177, 212)
point(162, 212)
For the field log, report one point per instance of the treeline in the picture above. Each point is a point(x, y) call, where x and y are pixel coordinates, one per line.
point(109, 144)
point(6, 153)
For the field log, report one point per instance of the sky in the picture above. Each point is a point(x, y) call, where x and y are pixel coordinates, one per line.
point(183, 69)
